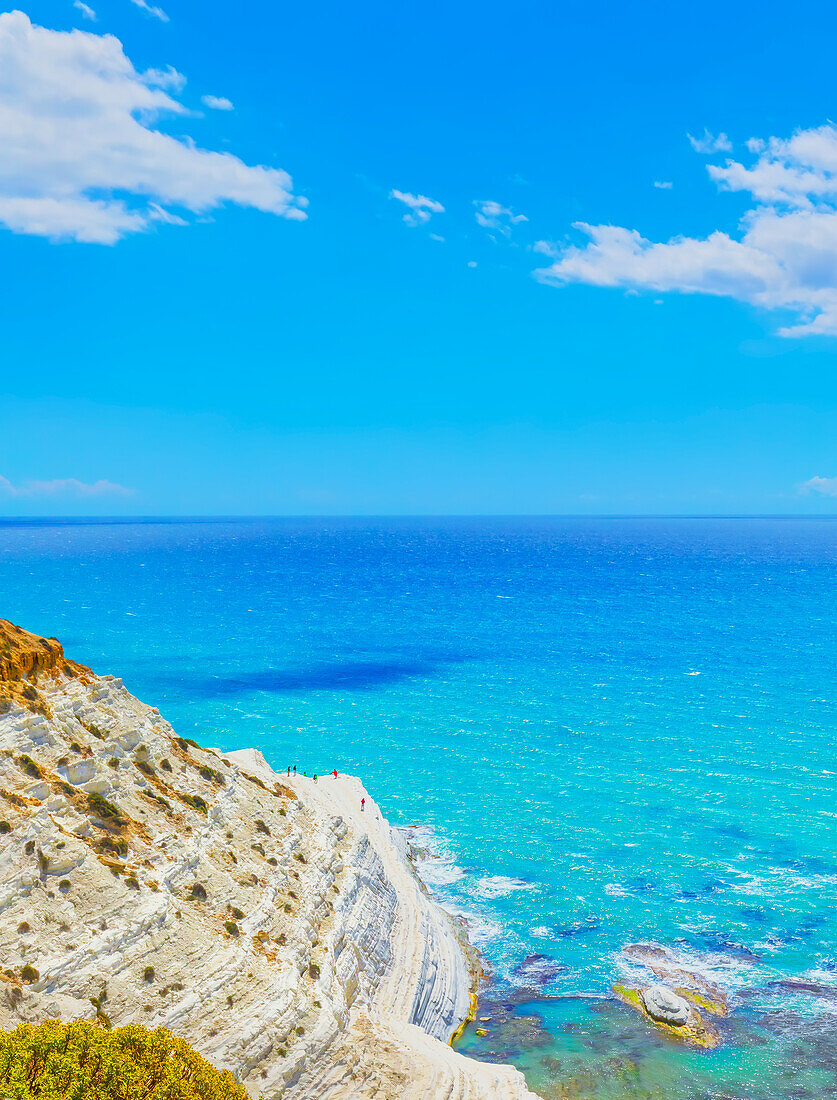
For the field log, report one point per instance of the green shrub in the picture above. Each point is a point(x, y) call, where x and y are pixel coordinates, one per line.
point(197, 891)
point(193, 800)
point(232, 928)
point(100, 806)
point(5, 827)
point(165, 765)
point(148, 974)
point(31, 768)
point(29, 973)
point(237, 913)
point(206, 772)
point(82, 1062)
point(261, 827)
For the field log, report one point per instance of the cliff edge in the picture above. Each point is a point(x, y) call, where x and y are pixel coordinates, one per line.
point(265, 919)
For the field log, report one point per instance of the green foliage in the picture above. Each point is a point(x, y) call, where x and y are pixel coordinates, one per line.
point(80, 1061)
point(31, 768)
point(197, 891)
point(100, 806)
point(232, 928)
point(115, 845)
point(29, 973)
point(158, 799)
point(165, 765)
point(5, 827)
point(193, 800)
point(211, 773)
point(236, 912)
point(261, 827)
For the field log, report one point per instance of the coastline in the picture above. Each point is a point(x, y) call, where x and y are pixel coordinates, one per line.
point(324, 971)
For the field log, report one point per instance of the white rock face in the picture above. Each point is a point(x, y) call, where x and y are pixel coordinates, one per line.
point(264, 918)
point(663, 1004)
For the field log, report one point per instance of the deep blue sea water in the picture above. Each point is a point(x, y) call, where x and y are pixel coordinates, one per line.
point(608, 731)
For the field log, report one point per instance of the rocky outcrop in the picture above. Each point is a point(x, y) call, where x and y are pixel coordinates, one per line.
point(677, 1001)
point(25, 659)
point(265, 919)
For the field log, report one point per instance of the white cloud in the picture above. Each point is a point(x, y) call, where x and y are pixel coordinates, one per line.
point(491, 215)
point(86, 11)
point(81, 160)
point(436, 237)
point(62, 486)
point(421, 207)
point(158, 13)
point(216, 102)
point(783, 256)
point(707, 144)
point(663, 185)
point(825, 486)
point(168, 78)
point(472, 263)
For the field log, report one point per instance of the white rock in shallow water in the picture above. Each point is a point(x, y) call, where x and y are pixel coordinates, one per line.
point(664, 1005)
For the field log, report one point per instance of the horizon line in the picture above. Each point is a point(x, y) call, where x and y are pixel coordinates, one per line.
point(228, 517)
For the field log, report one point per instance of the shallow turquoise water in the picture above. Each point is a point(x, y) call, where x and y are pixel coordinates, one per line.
point(610, 731)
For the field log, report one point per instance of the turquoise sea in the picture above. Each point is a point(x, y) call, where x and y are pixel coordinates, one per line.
point(604, 732)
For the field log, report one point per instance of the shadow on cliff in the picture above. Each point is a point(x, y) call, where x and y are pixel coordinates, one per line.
point(347, 675)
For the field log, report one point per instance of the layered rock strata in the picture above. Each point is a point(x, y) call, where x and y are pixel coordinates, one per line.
point(266, 919)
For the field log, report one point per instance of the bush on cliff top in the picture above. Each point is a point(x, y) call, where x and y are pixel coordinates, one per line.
point(80, 1061)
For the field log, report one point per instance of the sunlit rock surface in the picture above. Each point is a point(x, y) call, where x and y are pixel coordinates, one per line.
point(264, 918)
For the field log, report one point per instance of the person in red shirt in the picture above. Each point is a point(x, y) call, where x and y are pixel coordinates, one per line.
point(334, 773)
point(362, 804)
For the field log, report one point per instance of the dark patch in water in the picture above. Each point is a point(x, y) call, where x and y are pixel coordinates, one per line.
point(714, 886)
point(347, 675)
point(535, 972)
point(718, 942)
point(580, 928)
point(815, 989)
point(753, 914)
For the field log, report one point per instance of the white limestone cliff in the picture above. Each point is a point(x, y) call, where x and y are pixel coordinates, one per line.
point(268, 920)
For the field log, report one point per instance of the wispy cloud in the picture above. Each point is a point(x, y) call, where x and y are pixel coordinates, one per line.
point(81, 160)
point(491, 215)
point(216, 102)
point(784, 256)
point(158, 13)
point(62, 487)
point(709, 143)
point(85, 10)
point(824, 486)
point(663, 185)
point(421, 208)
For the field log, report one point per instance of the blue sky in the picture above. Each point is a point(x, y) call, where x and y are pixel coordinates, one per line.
point(188, 330)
